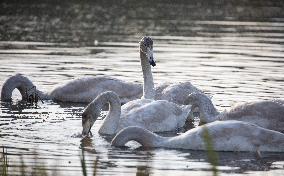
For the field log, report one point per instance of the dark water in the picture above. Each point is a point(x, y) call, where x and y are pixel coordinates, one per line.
point(233, 50)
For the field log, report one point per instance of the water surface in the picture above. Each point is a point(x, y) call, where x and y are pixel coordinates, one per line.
point(232, 51)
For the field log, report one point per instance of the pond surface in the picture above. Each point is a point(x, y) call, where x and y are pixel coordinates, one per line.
point(234, 51)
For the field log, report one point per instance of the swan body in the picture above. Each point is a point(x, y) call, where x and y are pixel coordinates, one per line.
point(156, 116)
point(267, 114)
point(226, 136)
point(82, 90)
point(87, 88)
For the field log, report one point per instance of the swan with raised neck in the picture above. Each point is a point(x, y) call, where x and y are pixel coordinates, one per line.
point(147, 59)
point(267, 113)
point(226, 136)
point(157, 116)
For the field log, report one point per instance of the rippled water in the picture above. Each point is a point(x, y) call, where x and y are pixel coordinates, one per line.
point(234, 52)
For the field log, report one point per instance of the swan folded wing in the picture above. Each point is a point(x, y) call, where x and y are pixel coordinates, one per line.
point(242, 136)
point(87, 88)
point(132, 105)
point(175, 92)
point(155, 116)
point(267, 114)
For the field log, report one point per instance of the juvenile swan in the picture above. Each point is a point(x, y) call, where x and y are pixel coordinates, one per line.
point(82, 90)
point(267, 114)
point(156, 116)
point(226, 136)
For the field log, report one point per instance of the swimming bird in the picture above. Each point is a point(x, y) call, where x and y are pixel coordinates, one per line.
point(267, 114)
point(154, 115)
point(81, 90)
point(225, 135)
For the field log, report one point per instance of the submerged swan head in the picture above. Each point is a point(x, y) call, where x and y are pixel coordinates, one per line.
point(146, 48)
point(89, 116)
point(93, 111)
point(23, 84)
point(202, 103)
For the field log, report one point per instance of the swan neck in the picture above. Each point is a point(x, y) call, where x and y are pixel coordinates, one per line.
point(111, 121)
point(148, 84)
point(208, 111)
point(23, 84)
point(145, 137)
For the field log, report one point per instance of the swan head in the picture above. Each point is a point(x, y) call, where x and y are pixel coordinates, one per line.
point(146, 47)
point(89, 116)
point(203, 104)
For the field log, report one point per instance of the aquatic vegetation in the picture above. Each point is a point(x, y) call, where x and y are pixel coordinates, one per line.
point(84, 166)
point(4, 163)
point(83, 163)
point(211, 153)
point(38, 168)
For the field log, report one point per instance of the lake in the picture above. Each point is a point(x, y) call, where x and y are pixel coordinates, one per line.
point(232, 50)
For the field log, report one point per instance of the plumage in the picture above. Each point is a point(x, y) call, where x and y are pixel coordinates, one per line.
point(228, 135)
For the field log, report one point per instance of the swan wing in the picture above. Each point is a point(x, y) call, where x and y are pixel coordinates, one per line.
point(175, 92)
point(267, 114)
point(87, 88)
point(155, 116)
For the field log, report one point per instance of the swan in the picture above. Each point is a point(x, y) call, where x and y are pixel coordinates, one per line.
point(84, 90)
point(229, 135)
point(267, 114)
point(156, 116)
point(81, 90)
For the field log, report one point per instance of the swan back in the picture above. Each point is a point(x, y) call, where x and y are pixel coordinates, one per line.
point(234, 135)
point(87, 88)
point(267, 114)
point(175, 92)
point(156, 116)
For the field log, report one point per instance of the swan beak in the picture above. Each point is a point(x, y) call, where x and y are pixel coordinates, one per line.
point(150, 57)
point(86, 131)
point(86, 128)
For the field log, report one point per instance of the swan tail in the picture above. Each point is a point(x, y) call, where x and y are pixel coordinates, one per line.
point(23, 84)
point(143, 136)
